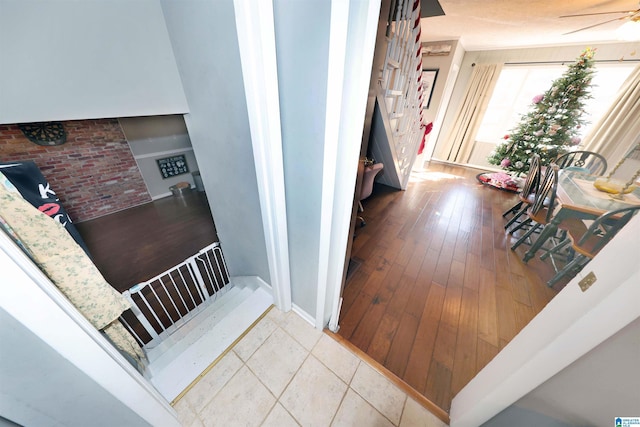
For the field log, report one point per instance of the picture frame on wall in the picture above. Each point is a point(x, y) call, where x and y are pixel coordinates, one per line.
point(429, 77)
point(172, 166)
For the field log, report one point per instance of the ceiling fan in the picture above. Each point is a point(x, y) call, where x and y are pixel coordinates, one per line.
point(629, 15)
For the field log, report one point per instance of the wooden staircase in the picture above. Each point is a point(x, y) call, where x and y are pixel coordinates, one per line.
point(398, 128)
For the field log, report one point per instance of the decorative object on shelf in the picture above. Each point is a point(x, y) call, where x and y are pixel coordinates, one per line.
point(369, 162)
point(428, 83)
point(180, 189)
point(44, 133)
point(618, 182)
point(550, 127)
point(436, 49)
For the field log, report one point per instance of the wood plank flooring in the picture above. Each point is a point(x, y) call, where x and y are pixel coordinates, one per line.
point(136, 244)
point(438, 292)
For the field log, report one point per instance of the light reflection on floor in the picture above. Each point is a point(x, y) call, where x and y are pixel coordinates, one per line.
point(426, 175)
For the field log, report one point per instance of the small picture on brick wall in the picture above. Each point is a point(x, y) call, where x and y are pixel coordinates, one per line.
point(173, 166)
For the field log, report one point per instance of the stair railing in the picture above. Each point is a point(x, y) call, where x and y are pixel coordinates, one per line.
point(166, 302)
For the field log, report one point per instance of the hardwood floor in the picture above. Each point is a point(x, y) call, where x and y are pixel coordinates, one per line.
point(438, 292)
point(137, 244)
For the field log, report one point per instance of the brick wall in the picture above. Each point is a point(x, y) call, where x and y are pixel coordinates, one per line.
point(93, 173)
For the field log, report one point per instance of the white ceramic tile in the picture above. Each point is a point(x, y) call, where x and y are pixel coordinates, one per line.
point(379, 391)
point(279, 417)
point(277, 360)
point(254, 339)
point(415, 415)
point(209, 385)
point(355, 411)
point(243, 401)
point(196, 423)
point(276, 316)
point(336, 357)
point(314, 394)
point(301, 330)
point(186, 414)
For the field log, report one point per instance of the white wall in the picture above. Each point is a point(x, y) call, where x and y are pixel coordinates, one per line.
point(203, 36)
point(302, 44)
point(593, 390)
point(449, 67)
point(516, 416)
point(612, 51)
point(56, 369)
point(34, 375)
point(63, 60)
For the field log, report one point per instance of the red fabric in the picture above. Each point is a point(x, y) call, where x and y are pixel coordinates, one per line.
point(499, 180)
point(427, 130)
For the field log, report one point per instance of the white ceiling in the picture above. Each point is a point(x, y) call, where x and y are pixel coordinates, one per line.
point(499, 24)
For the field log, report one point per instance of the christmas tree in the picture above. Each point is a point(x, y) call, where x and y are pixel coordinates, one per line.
point(550, 126)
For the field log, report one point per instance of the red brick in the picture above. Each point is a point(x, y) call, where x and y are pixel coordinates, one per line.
point(96, 152)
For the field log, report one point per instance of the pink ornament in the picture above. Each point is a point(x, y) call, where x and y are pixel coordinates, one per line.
point(575, 140)
point(537, 98)
point(505, 163)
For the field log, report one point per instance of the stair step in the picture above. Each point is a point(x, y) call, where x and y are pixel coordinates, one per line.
point(393, 63)
point(180, 364)
point(195, 328)
point(390, 92)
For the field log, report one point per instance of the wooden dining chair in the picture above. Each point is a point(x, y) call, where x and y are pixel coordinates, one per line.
point(587, 244)
point(587, 161)
point(540, 212)
point(525, 198)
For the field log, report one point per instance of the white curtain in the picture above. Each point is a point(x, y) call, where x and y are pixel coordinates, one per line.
point(619, 127)
point(458, 145)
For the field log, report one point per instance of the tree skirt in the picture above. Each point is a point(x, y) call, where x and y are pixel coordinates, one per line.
point(500, 180)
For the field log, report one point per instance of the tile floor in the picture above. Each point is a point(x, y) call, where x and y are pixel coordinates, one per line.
point(286, 373)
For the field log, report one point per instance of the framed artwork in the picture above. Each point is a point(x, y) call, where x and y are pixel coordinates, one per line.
point(172, 166)
point(428, 83)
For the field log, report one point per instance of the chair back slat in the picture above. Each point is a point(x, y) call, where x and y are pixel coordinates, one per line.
point(532, 182)
point(546, 195)
point(592, 162)
point(606, 226)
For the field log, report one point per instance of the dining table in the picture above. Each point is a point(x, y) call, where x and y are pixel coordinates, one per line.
point(576, 197)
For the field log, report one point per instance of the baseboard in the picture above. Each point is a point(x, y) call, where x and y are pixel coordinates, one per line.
point(306, 316)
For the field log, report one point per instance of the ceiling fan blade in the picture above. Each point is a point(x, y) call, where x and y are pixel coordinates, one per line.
point(594, 25)
point(596, 13)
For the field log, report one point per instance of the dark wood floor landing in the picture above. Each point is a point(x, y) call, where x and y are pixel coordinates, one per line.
point(136, 244)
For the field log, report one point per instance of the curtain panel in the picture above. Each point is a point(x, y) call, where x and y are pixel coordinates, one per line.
point(458, 145)
point(619, 128)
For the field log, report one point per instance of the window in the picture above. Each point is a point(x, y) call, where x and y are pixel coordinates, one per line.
point(518, 84)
